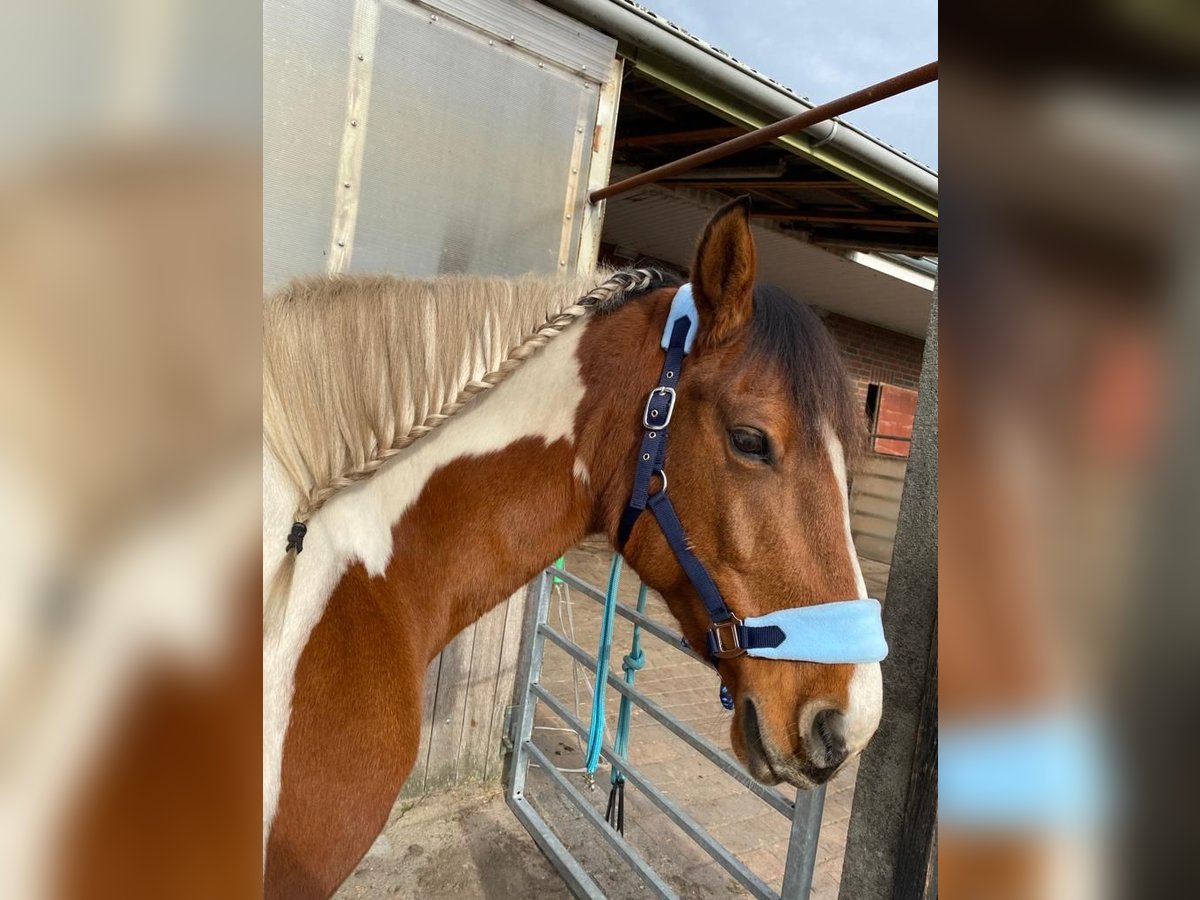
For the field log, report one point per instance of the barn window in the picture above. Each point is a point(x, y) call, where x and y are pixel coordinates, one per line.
point(890, 411)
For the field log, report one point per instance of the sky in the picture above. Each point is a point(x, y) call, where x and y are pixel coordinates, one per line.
point(825, 50)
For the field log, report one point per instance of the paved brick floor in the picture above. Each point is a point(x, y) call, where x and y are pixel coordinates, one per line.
point(745, 824)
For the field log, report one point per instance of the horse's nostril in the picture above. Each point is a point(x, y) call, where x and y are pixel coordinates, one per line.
point(750, 728)
point(828, 746)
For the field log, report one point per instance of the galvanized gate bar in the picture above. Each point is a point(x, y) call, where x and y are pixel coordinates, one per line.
point(666, 635)
point(624, 849)
point(690, 826)
point(802, 846)
point(706, 748)
point(530, 673)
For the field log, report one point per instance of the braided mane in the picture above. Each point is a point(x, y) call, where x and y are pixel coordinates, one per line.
point(358, 368)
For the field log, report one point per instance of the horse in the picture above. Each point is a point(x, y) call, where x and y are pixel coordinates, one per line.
point(429, 461)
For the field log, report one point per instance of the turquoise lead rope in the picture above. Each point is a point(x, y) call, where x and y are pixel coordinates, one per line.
point(596, 728)
point(632, 663)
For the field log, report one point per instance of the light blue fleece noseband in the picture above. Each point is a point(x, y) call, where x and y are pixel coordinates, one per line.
point(845, 631)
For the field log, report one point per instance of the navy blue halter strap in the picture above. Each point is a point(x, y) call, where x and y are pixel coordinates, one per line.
point(656, 418)
point(852, 630)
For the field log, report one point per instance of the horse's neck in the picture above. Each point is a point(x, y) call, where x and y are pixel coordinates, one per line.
point(477, 508)
point(531, 469)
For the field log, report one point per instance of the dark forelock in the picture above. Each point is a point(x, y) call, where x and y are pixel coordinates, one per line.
point(789, 336)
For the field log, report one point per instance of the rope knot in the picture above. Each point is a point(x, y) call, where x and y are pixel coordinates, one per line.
point(633, 662)
point(295, 539)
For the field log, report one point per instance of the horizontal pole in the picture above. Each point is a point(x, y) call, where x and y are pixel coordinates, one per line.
point(844, 219)
point(666, 635)
point(704, 747)
point(751, 184)
point(576, 582)
point(877, 244)
point(694, 136)
point(623, 848)
point(872, 94)
point(680, 817)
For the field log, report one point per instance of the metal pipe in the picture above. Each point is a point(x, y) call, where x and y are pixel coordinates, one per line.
point(860, 98)
point(628, 23)
point(529, 671)
point(801, 861)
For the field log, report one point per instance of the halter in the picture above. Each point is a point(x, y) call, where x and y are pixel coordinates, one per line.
point(845, 631)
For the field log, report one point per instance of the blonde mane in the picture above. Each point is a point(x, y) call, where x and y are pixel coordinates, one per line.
point(357, 368)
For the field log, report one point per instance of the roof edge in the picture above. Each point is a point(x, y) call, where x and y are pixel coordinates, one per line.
point(635, 25)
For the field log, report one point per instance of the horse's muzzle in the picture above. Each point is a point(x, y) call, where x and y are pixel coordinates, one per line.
point(823, 754)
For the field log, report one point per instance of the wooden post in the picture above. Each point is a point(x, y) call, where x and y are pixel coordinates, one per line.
point(892, 821)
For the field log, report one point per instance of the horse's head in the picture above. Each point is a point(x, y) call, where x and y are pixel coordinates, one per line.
point(762, 427)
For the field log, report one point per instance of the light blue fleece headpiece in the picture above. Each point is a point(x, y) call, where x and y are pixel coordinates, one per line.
point(683, 304)
point(845, 631)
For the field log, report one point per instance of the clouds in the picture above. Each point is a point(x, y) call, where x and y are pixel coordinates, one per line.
point(825, 50)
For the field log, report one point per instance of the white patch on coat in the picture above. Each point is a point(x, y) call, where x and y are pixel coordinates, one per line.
point(539, 400)
point(581, 471)
point(865, 704)
point(837, 459)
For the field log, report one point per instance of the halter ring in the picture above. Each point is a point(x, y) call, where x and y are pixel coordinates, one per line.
point(663, 475)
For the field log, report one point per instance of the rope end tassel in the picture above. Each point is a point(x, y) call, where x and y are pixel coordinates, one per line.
point(295, 539)
point(615, 813)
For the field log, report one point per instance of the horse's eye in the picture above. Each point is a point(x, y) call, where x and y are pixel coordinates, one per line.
point(749, 442)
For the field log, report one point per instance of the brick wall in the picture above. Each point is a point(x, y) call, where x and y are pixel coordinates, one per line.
point(876, 355)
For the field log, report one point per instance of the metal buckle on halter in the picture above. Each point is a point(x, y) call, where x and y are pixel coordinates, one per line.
point(723, 639)
point(667, 392)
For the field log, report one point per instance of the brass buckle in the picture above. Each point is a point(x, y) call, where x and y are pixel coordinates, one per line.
point(725, 639)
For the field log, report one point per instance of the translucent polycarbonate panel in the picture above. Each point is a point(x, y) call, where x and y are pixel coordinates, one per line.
point(535, 27)
point(306, 47)
point(469, 152)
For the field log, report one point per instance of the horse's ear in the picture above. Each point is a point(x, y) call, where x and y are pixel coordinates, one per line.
point(723, 274)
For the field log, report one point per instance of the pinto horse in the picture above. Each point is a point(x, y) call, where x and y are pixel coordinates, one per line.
point(396, 564)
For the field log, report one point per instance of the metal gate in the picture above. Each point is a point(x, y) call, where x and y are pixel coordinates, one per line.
point(805, 813)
